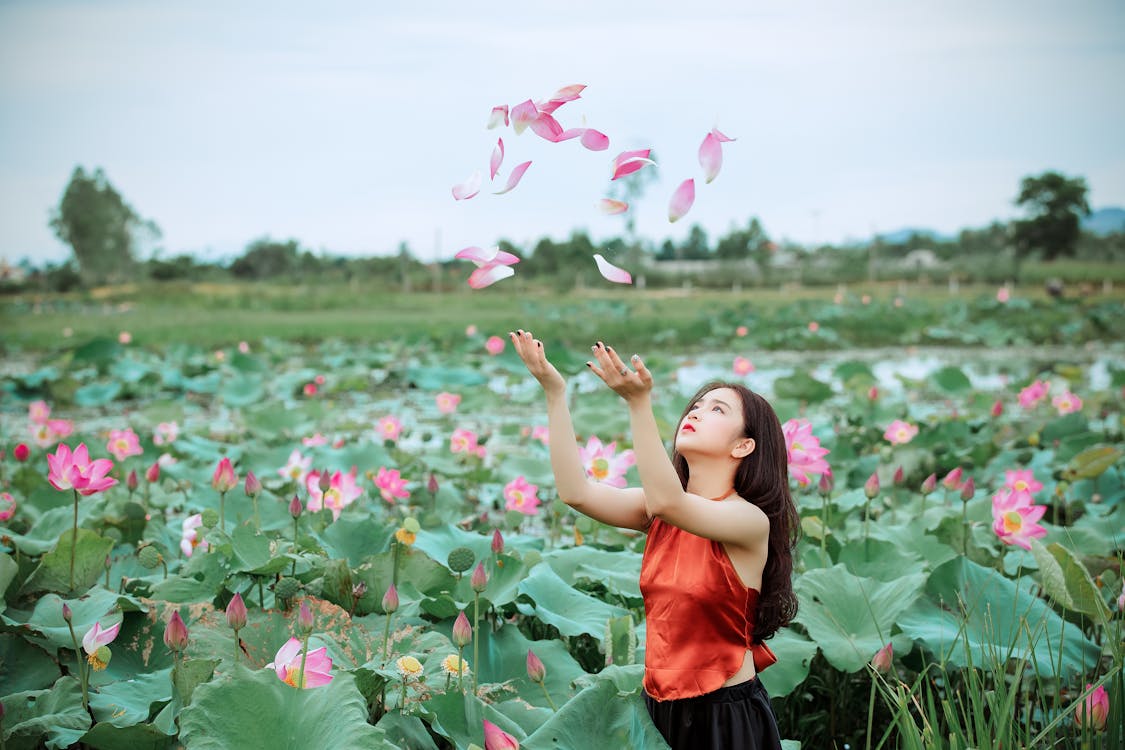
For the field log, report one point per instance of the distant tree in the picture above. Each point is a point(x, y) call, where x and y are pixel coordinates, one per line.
point(749, 243)
point(266, 258)
point(1056, 204)
point(697, 246)
point(103, 230)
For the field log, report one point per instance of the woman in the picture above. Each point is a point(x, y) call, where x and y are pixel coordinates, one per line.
point(721, 528)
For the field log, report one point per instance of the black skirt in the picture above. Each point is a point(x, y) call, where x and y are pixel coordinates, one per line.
point(739, 716)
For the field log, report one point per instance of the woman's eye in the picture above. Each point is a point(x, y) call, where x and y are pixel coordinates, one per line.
point(717, 408)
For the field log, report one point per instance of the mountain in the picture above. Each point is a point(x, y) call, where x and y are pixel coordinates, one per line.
point(1105, 221)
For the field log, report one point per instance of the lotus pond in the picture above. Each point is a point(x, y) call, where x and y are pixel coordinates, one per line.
point(399, 550)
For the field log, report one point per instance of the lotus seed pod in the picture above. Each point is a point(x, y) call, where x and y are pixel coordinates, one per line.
point(461, 559)
point(149, 556)
point(287, 588)
point(411, 524)
point(210, 518)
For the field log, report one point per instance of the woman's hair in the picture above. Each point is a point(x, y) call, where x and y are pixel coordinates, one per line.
point(763, 479)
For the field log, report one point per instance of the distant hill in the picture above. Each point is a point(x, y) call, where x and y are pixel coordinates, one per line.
point(1105, 221)
point(902, 235)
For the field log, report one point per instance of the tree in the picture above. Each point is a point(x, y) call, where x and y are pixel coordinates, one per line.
point(103, 230)
point(266, 258)
point(1056, 204)
point(750, 243)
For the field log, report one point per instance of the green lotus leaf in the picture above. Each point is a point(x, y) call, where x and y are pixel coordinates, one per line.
point(24, 666)
point(97, 394)
point(1067, 581)
point(794, 655)
point(53, 573)
point(54, 716)
point(554, 602)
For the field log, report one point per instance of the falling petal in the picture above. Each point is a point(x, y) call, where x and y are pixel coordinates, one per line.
point(488, 275)
point(505, 258)
point(610, 206)
point(629, 166)
point(595, 140)
point(710, 157)
point(498, 158)
point(566, 135)
point(611, 272)
point(498, 116)
point(468, 188)
point(514, 178)
point(681, 200)
point(546, 127)
point(721, 138)
point(484, 257)
point(561, 97)
point(523, 114)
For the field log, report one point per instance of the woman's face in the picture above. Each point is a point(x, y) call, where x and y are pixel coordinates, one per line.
point(712, 425)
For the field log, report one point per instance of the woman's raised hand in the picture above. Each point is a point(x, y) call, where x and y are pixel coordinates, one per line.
point(531, 352)
point(627, 383)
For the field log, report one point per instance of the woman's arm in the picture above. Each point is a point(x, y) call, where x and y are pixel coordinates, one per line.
point(610, 505)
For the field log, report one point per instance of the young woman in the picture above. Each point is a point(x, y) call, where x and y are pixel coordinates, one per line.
point(721, 525)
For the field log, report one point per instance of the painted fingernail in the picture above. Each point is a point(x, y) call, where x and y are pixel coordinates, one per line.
point(636, 358)
point(593, 349)
point(600, 344)
point(589, 364)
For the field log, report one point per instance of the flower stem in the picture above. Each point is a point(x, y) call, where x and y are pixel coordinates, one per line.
point(296, 523)
point(237, 646)
point(460, 670)
point(222, 512)
point(257, 519)
point(543, 684)
point(402, 705)
point(386, 636)
point(870, 712)
point(965, 527)
point(74, 540)
point(261, 596)
point(81, 668)
point(304, 655)
point(476, 637)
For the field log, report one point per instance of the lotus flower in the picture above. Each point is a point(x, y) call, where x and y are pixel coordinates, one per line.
point(287, 664)
point(1031, 395)
point(900, 433)
point(123, 443)
point(803, 451)
point(389, 428)
point(496, 738)
point(7, 506)
point(224, 479)
point(342, 491)
point(176, 633)
point(75, 471)
point(742, 366)
point(465, 441)
point(611, 272)
point(883, 659)
point(38, 412)
point(603, 464)
point(391, 485)
point(521, 495)
point(462, 634)
point(536, 672)
point(21, 452)
point(297, 467)
point(190, 537)
point(1067, 403)
point(952, 480)
point(1016, 524)
point(94, 643)
point(1022, 484)
point(447, 402)
point(542, 433)
point(494, 345)
point(236, 612)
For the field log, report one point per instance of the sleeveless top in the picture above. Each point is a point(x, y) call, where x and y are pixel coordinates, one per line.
point(699, 615)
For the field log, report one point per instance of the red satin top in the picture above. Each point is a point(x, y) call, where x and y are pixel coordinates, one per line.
point(699, 616)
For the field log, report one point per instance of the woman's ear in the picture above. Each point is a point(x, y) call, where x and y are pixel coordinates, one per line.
point(743, 448)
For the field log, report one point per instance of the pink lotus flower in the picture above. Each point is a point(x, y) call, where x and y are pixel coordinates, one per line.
point(471, 330)
point(123, 443)
point(602, 463)
point(1015, 521)
point(803, 451)
point(38, 412)
point(1067, 403)
point(287, 665)
point(813, 326)
point(447, 402)
point(190, 538)
point(309, 389)
point(75, 471)
point(465, 441)
point(900, 433)
point(49, 433)
point(7, 506)
point(462, 634)
point(997, 408)
point(494, 345)
point(389, 428)
point(1002, 294)
point(541, 433)
point(1022, 484)
point(97, 639)
point(496, 738)
point(1094, 710)
point(243, 347)
point(125, 338)
point(522, 496)
point(342, 491)
point(165, 432)
point(536, 671)
point(741, 331)
point(296, 468)
point(391, 486)
point(21, 452)
point(743, 366)
point(1031, 395)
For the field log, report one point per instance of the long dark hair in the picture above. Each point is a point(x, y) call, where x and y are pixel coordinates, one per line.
point(762, 478)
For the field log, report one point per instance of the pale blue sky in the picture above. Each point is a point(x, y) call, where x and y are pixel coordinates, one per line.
point(344, 125)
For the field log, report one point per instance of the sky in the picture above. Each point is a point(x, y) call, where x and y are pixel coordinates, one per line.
point(345, 125)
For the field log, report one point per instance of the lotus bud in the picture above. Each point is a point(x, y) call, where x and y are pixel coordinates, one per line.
point(131, 481)
point(883, 659)
point(176, 633)
point(21, 452)
point(998, 408)
point(295, 507)
point(497, 542)
point(305, 618)
point(1094, 710)
point(152, 473)
point(968, 490)
point(253, 485)
point(479, 580)
point(325, 481)
point(952, 480)
point(929, 484)
point(873, 393)
point(66, 613)
point(358, 590)
point(871, 486)
point(236, 613)
point(899, 477)
point(462, 631)
point(827, 483)
point(432, 484)
point(496, 738)
point(535, 669)
point(390, 600)
point(224, 479)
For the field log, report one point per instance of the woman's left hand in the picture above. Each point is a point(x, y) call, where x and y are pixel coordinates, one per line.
point(630, 384)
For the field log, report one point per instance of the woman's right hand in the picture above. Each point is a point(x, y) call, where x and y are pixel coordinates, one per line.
point(531, 352)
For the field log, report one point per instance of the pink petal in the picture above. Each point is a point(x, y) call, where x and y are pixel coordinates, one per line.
point(629, 166)
point(546, 127)
point(316, 679)
point(489, 275)
point(468, 188)
point(681, 200)
point(569, 133)
point(286, 653)
point(485, 257)
point(720, 137)
point(498, 115)
point(514, 178)
point(505, 258)
point(611, 272)
point(498, 159)
point(561, 97)
point(595, 140)
point(610, 206)
point(523, 114)
point(710, 157)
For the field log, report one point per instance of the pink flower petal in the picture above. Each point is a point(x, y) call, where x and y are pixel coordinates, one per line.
point(484, 257)
point(561, 97)
point(710, 157)
point(611, 272)
point(546, 127)
point(498, 159)
point(628, 162)
point(489, 275)
point(720, 137)
point(595, 140)
point(569, 133)
point(610, 206)
point(505, 258)
point(523, 114)
point(681, 200)
point(497, 116)
point(468, 188)
point(515, 177)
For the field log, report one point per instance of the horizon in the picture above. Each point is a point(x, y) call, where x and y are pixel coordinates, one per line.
point(344, 128)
